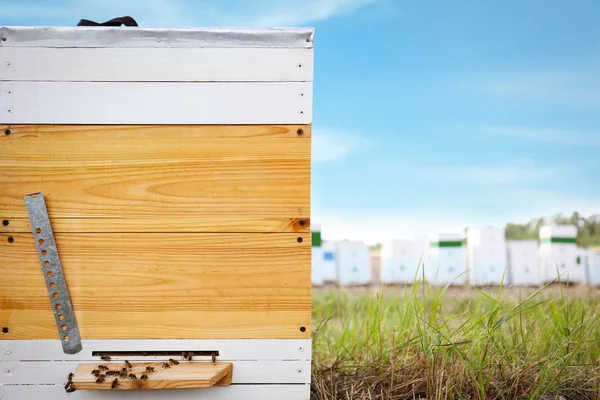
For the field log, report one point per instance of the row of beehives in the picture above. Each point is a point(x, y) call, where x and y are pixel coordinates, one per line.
point(478, 257)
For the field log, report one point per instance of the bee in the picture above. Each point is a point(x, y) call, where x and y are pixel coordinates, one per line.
point(102, 367)
point(114, 383)
point(124, 370)
point(69, 385)
point(144, 377)
point(166, 365)
point(96, 373)
point(123, 375)
point(214, 357)
point(132, 376)
point(128, 364)
point(187, 356)
point(100, 379)
point(173, 362)
point(105, 358)
point(149, 369)
point(70, 377)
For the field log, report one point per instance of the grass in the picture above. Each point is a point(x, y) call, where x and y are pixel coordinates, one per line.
point(444, 343)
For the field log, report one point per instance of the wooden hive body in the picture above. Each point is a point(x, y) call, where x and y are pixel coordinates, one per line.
point(175, 167)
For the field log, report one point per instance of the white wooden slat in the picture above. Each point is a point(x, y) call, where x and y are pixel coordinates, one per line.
point(155, 65)
point(244, 392)
point(229, 349)
point(246, 372)
point(131, 37)
point(155, 103)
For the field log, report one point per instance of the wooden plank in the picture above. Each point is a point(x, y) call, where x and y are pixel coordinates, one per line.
point(246, 372)
point(229, 349)
point(175, 179)
point(262, 392)
point(179, 375)
point(156, 65)
point(155, 103)
point(192, 224)
point(196, 285)
point(135, 37)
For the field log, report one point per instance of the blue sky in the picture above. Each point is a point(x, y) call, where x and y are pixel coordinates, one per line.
point(429, 115)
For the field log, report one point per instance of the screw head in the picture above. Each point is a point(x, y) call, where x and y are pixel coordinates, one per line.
point(5, 330)
point(300, 131)
point(5, 222)
point(7, 132)
point(302, 329)
point(301, 222)
point(299, 370)
point(300, 240)
point(11, 239)
point(8, 351)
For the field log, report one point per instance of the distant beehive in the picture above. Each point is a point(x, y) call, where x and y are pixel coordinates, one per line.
point(486, 255)
point(329, 250)
point(523, 263)
point(448, 259)
point(317, 256)
point(353, 263)
point(558, 254)
point(594, 268)
point(399, 262)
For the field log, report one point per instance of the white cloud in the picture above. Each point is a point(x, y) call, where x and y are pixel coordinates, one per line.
point(183, 13)
point(569, 137)
point(511, 172)
point(330, 145)
point(564, 87)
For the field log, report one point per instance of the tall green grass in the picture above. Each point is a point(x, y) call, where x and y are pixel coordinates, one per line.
point(447, 343)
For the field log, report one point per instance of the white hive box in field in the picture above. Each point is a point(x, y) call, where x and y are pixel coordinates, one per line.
point(558, 254)
point(580, 271)
point(424, 255)
point(399, 262)
point(594, 268)
point(353, 263)
point(523, 263)
point(317, 256)
point(486, 256)
point(329, 249)
point(176, 168)
point(448, 259)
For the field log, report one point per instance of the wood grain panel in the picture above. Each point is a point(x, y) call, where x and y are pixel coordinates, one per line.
point(177, 179)
point(163, 285)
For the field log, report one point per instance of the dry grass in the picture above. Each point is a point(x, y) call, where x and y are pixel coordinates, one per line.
point(441, 343)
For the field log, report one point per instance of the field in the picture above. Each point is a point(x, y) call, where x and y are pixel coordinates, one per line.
point(423, 342)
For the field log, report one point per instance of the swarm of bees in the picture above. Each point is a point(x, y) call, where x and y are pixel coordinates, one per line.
point(102, 371)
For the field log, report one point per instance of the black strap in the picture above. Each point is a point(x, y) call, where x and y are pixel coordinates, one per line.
point(126, 20)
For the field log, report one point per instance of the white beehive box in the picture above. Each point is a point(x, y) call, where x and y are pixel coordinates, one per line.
point(594, 268)
point(317, 278)
point(399, 262)
point(523, 263)
point(210, 253)
point(558, 254)
point(329, 250)
point(353, 263)
point(448, 259)
point(486, 255)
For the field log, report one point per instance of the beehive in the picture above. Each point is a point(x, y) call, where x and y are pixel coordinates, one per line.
point(448, 265)
point(353, 263)
point(329, 249)
point(175, 167)
point(523, 262)
point(558, 254)
point(486, 256)
point(400, 262)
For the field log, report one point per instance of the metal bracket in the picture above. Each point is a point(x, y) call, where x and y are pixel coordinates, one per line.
point(53, 273)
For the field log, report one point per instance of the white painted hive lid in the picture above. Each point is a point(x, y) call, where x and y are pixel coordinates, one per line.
point(79, 36)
